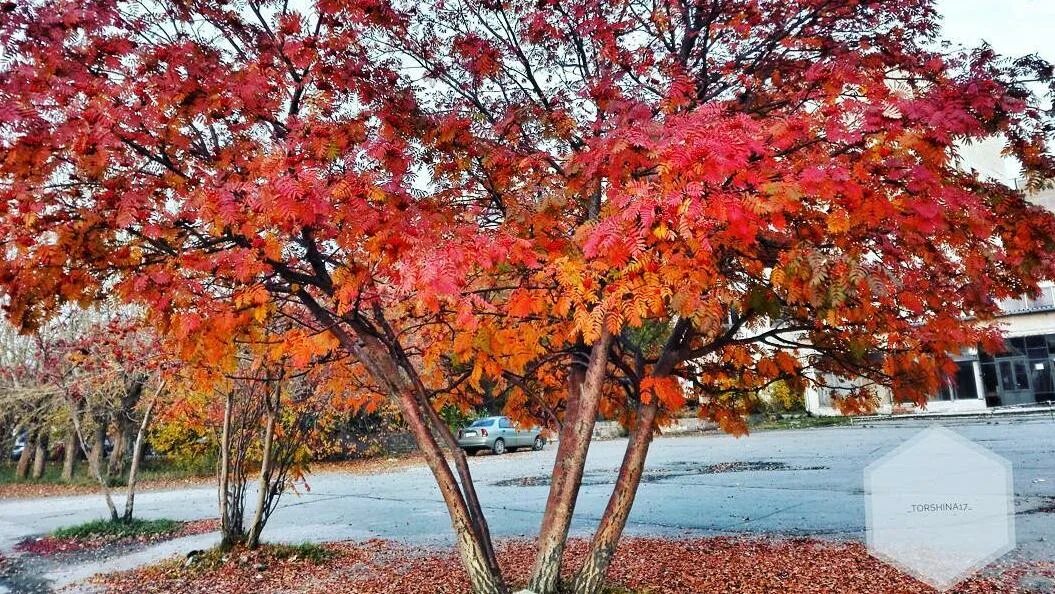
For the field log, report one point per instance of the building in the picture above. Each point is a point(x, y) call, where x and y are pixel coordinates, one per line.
point(1024, 374)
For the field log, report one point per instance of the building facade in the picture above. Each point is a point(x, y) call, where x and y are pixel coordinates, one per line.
point(1023, 374)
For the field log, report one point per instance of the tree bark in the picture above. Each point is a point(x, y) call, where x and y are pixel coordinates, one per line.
point(461, 464)
point(473, 552)
point(116, 461)
point(384, 369)
point(137, 458)
point(584, 395)
point(230, 533)
point(263, 490)
point(95, 461)
point(590, 578)
point(123, 420)
point(73, 450)
point(26, 457)
point(98, 449)
point(40, 456)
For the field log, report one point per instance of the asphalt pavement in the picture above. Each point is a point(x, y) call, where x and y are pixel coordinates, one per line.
point(791, 483)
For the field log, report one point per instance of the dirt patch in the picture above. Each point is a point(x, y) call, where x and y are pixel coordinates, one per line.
point(661, 473)
point(657, 566)
point(1045, 508)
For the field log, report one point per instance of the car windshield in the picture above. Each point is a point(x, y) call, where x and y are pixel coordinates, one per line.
point(482, 423)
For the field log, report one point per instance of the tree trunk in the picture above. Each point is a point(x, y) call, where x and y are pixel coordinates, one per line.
point(98, 449)
point(126, 427)
point(73, 449)
point(95, 460)
point(231, 534)
point(115, 465)
point(40, 456)
point(461, 464)
point(590, 577)
point(384, 369)
point(482, 576)
point(263, 489)
point(26, 457)
point(584, 395)
point(137, 458)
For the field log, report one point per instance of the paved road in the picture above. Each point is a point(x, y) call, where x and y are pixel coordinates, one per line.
point(786, 482)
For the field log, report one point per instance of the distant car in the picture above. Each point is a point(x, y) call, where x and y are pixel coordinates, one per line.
point(20, 444)
point(499, 435)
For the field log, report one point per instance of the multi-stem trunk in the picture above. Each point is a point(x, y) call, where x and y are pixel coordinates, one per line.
point(384, 367)
point(482, 576)
point(590, 578)
point(585, 388)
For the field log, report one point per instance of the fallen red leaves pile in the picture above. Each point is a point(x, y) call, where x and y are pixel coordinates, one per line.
point(47, 546)
point(656, 566)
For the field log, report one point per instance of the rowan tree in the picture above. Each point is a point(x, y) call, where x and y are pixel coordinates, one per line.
point(721, 196)
point(577, 203)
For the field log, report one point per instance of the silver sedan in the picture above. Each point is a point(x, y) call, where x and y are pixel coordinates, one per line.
point(498, 434)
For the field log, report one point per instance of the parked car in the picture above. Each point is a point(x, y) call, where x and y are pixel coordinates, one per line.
point(57, 452)
point(19, 446)
point(500, 435)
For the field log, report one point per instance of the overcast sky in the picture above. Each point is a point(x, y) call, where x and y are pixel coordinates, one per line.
point(1012, 27)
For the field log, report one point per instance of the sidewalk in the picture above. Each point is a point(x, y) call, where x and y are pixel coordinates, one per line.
point(1016, 413)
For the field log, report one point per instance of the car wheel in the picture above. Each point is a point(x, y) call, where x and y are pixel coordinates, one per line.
point(539, 443)
point(470, 451)
point(500, 447)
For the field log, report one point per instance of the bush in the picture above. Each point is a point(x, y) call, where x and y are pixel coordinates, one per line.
point(782, 398)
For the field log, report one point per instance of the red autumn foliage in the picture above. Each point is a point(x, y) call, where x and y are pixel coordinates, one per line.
point(656, 566)
point(47, 546)
point(465, 198)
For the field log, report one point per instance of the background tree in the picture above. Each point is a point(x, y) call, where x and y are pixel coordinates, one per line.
point(263, 413)
point(478, 194)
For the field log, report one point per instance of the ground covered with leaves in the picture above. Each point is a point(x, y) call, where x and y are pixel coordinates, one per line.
point(653, 566)
point(94, 535)
point(168, 477)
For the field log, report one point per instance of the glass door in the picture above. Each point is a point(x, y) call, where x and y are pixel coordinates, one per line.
point(1015, 385)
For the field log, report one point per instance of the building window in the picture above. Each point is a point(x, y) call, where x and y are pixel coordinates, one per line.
point(1022, 374)
point(961, 386)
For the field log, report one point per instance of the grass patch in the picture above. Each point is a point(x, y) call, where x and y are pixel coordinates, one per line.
point(315, 553)
point(239, 556)
point(106, 528)
point(803, 422)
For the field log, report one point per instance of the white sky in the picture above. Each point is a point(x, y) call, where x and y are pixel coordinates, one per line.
point(1014, 28)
